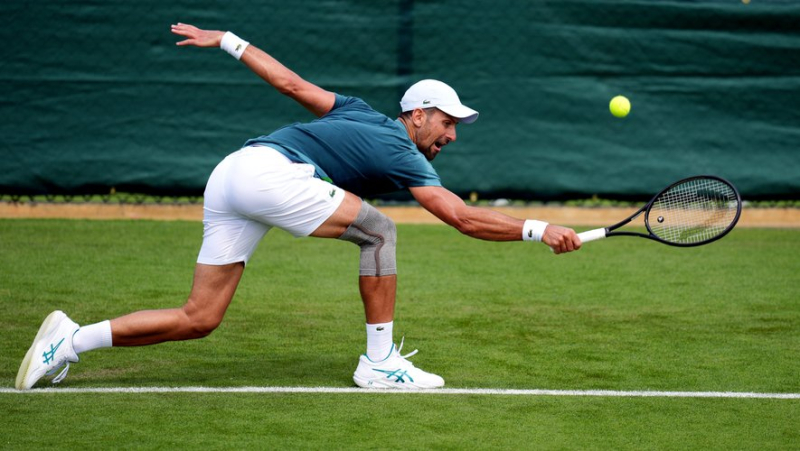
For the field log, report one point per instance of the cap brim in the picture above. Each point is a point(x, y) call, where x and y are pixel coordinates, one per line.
point(463, 113)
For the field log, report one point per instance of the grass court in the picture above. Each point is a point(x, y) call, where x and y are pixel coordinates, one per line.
point(621, 314)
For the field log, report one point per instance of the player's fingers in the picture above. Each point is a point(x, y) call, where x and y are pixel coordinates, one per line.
point(185, 30)
point(183, 26)
point(559, 247)
point(561, 239)
point(576, 242)
point(567, 243)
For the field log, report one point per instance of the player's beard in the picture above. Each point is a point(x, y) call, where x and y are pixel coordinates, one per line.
point(434, 145)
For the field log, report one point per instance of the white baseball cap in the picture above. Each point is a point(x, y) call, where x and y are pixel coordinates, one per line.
point(434, 93)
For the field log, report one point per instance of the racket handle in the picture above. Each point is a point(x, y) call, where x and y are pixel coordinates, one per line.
point(591, 235)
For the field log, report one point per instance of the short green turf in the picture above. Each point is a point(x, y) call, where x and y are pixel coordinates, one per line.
point(621, 314)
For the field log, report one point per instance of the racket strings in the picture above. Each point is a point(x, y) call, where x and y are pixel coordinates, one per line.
point(694, 211)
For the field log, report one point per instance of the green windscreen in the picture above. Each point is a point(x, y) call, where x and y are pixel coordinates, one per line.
point(97, 95)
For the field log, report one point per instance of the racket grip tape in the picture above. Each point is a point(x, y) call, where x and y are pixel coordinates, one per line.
point(591, 235)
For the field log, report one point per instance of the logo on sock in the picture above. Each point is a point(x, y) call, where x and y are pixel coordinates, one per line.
point(379, 328)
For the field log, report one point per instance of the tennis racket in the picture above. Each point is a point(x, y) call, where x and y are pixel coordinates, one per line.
point(690, 212)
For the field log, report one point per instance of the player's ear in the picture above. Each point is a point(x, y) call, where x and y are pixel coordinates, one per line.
point(418, 117)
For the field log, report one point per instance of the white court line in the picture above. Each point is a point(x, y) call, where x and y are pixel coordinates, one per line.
point(441, 391)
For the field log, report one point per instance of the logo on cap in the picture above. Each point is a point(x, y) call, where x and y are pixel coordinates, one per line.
point(426, 102)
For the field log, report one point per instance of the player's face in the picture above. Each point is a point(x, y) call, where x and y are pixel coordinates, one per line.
point(438, 131)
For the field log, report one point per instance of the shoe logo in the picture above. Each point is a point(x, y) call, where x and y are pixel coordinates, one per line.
point(398, 375)
point(49, 355)
point(332, 193)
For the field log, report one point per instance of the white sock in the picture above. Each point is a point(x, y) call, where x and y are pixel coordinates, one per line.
point(93, 336)
point(379, 341)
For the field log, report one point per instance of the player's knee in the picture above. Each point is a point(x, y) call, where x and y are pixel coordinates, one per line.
point(199, 324)
point(376, 235)
point(202, 329)
point(388, 229)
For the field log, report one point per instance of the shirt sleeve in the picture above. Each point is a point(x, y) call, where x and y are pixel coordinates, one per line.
point(347, 101)
point(413, 170)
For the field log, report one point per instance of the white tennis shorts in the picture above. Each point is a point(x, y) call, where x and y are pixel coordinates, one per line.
point(253, 190)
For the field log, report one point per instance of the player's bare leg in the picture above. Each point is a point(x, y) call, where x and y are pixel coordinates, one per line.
point(212, 291)
point(60, 340)
point(382, 366)
point(377, 292)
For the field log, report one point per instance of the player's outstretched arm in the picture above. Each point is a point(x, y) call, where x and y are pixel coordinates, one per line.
point(311, 96)
point(486, 224)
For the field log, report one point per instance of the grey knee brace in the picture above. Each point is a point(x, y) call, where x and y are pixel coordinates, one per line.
point(376, 234)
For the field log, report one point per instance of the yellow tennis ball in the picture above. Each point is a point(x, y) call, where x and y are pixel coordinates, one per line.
point(620, 106)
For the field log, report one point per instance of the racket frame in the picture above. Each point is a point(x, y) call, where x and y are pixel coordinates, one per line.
point(592, 235)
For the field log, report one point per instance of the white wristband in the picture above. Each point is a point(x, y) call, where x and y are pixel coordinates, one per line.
point(233, 44)
point(533, 230)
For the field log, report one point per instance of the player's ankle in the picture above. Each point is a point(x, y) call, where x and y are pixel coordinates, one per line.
point(93, 336)
point(379, 341)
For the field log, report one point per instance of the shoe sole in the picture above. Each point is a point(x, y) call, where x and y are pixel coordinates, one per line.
point(24, 369)
point(382, 384)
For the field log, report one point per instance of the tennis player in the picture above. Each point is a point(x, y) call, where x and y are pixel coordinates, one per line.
point(308, 179)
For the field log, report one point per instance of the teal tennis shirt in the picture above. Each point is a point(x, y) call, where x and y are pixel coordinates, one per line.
point(357, 148)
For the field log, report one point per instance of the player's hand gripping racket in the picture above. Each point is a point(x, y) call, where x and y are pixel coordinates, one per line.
point(690, 212)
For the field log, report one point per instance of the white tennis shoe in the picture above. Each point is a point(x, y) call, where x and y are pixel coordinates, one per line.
point(51, 350)
point(394, 372)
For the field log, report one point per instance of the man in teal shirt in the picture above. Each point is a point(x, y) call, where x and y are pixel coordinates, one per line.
point(307, 179)
point(371, 153)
